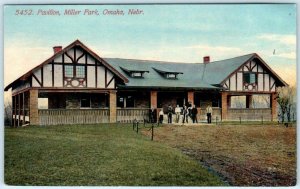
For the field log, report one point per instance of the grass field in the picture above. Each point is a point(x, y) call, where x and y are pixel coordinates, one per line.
point(245, 155)
point(96, 155)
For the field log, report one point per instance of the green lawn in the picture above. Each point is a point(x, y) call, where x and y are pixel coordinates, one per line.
point(96, 155)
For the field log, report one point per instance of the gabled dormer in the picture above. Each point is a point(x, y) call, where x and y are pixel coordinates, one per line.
point(134, 73)
point(168, 74)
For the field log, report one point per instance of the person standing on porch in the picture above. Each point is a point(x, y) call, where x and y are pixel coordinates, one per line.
point(161, 116)
point(194, 114)
point(177, 112)
point(170, 112)
point(208, 113)
point(189, 107)
point(185, 115)
point(152, 115)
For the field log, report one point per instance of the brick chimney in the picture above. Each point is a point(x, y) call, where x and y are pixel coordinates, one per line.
point(206, 59)
point(56, 49)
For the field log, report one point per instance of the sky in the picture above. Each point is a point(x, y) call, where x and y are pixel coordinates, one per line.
point(181, 33)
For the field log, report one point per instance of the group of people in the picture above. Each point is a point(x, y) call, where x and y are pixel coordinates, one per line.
point(187, 111)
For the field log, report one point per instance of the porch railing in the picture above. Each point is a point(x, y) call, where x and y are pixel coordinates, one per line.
point(255, 114)
point(216, 114)
point(127, 115)
point(23, 114)
point(73, 116)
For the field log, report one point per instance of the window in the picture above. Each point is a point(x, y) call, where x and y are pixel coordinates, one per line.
point(80, 71)
point(129, 101)
point(120, 102)
point(42, 103)
point(237, 102)
point(136, 74)
point(69, 71)
point(85, 101)
point(125, 101)
point(249, 78)
point(171, 76)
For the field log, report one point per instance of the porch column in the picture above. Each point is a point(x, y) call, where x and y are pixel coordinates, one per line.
point(274, 115)
point(14, 110)
point(23, 110)
point(224, 96)
point(249, 101)
point(191, 97)
point(33, 107)
point(19, 110)
point(113, 106)
point(153, 99)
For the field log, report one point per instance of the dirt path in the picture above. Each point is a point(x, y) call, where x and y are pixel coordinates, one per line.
point(243, 155)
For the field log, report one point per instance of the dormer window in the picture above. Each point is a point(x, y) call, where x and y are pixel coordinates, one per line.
point(168, 74)
point(134, 73)
point(171, 76)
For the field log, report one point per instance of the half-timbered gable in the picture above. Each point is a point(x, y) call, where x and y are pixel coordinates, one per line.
point(252, 76)
point(72, 68)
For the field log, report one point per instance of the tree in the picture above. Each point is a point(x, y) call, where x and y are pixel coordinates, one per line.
point(7, 114)
point(286, 100)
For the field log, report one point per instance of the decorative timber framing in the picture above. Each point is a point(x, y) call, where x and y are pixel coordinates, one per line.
point(77, 70)
point(64, 52)
point(265, 77)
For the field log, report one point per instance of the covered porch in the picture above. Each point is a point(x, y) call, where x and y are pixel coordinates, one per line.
point(245, 106)
point(53, 107)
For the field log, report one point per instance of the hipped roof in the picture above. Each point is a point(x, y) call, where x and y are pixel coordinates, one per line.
point(194, 75)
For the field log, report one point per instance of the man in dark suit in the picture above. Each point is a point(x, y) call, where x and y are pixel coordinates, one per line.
point(152, 115)
point(194, 114)
point(170, 112)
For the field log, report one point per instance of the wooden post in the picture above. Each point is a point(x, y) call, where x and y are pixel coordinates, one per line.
point(153, 99)
point(23, 122)
point(19, 109)
point(224, 105)
point(191, 97)
point(113, 106)
point(33, 107)
point(14, 110)
point(152, 131)
point(249, 101)
point(274, 116)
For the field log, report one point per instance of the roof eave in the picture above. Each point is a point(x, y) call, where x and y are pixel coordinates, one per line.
point(168, 87)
